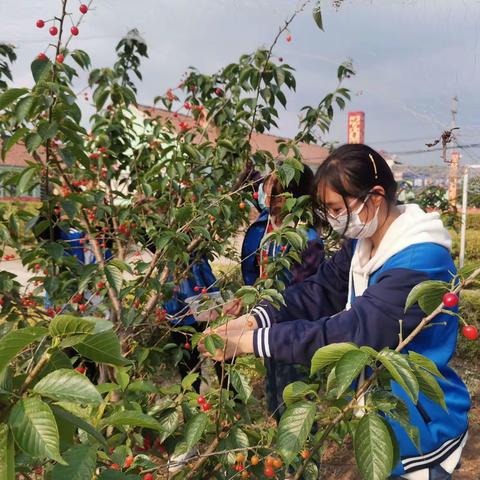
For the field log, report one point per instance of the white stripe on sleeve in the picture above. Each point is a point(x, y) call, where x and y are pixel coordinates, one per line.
point(266, 342)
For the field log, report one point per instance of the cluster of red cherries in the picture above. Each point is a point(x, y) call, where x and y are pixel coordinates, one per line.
point(53, 30)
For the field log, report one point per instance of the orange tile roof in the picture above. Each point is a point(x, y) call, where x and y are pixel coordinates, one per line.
point(312, 154)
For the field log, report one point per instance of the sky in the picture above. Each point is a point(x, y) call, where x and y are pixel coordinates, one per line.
point(411, 56)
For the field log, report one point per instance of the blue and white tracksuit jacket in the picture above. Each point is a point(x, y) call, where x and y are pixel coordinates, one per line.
point(414, 249)
point(279, 374)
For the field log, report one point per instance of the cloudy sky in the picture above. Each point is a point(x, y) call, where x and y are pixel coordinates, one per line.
point(411, 56)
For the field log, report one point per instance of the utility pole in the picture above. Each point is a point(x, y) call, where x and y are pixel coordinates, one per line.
point(454, 161)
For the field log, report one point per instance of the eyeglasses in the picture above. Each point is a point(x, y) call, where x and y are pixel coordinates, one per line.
point(325, 216)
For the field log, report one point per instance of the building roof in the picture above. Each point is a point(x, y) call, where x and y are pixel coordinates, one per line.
point(17, 156)
point(312, 154)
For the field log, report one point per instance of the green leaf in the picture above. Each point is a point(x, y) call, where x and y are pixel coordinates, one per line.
point(39, 69)
point(194, 429)
point(168, 420)
point(317, 16)
point(293, 429)
point(23, 108)
point(79, 423)
point(428, 295)
point(82, 58)
point(189, 380)
point(348, 368)
point(68, 385)
point(16, 340)
point(424, 362)
point(35, 429)
point(399, 368)
point(133, 419)
point(401, 415)
point(33, 141)
point(310, 472)
point(81, 460)
point(10, 96)
point(114, 277)
point(55, 250)
point(430, 387)
point(11, 141)
point(7, 454)
point(241, 384)
point(27, 178)
point(102, 347)
point(212, 343)
point(329, 354)
point(297, 391)
point(70, 325)
point(373, 448)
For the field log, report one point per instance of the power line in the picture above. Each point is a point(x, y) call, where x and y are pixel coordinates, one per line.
point(435, 149)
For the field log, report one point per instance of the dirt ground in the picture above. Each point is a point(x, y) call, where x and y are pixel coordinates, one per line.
point(339, 464)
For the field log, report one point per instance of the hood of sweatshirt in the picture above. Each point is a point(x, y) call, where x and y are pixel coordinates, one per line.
point(413, 226)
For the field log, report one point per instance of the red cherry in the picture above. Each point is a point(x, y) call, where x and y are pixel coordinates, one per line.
point(94, 156)
point(204, 291)
point(37, 266)
point(83, 8)
point(81, 370)
point(187, 105)
point(100, 285)
point(255, 195)
point(74, 31)
point(242, 205)
point(40, 23)
point(470, 332)
point(219, 92)
point(206, 407)
point(283, 248)
point(269, 472)
point(82, 307)
point(305, 454)
point(50, 312)
point(41, 56)
point(201, 400)
point(128, 461)
point(115, 466)
point(148, 476)
point(53, 31)
point(196, 289)
point(450, 300)
point(289, 38)
point(187, 346)
point(77, 298)
point(60, 58)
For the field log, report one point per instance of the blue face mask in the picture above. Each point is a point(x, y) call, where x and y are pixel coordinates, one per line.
point(261, 197)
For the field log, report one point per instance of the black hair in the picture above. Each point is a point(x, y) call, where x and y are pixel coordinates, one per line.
point(353, 170)
point(304, 186)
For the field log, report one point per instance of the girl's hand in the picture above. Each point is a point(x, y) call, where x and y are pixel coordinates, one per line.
point(244, 323)
point(233, 308)
point(235, 344)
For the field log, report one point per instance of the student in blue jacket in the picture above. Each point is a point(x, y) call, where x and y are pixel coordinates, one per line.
point(271, 201)
point(359, 296)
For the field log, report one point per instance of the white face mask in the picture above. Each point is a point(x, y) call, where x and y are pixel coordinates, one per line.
point(356, 228)
point(261, 197)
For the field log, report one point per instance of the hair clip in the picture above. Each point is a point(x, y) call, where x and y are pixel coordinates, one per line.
point(374, 166)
